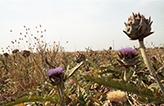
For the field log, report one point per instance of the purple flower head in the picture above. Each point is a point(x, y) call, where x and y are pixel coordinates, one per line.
point(152, 56)
point(128, 57)
point(55, 71)
point(127, 50)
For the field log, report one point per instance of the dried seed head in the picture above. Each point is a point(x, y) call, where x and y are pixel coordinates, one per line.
point(12, 42)
point(26, 53)
point(80, 57)
point(117, 96)
point(15, 51)
point(110, 48)
point(6, 54)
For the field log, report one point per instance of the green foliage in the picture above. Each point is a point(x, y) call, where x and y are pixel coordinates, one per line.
point(124, 86)
point(69, 73)
point(31, 99)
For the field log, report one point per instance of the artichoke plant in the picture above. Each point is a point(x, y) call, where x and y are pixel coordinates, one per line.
point(138, 27)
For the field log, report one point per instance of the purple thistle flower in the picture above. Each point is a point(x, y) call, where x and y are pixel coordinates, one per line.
point(56, 76)
point(55, 71)
point(152, 56)
point(127, 50)
point(128, 57)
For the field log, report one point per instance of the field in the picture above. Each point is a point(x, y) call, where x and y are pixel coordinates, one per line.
point(24, 78)
point(46, 75)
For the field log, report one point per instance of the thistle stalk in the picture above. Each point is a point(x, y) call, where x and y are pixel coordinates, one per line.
point(148, 64)
point(61, 94)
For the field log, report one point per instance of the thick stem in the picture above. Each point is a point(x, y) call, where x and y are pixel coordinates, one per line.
point(61, 94)
point(149, 66)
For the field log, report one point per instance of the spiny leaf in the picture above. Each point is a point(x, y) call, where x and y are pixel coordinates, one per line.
point(111, 71)
point(146, 91)
point(31, 99)
point(93, 99)
point(68, 74)
point(98, 95)
point(122, 85)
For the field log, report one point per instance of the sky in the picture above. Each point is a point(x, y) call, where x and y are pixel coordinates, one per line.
point(97, 24)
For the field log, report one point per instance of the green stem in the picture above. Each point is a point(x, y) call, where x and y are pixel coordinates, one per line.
point(149, 66)
point(61, 94)
point(126, 73)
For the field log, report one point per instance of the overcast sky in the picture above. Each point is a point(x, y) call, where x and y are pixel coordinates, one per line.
point(84, 23)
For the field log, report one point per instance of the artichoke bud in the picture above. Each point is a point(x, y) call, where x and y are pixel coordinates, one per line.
point(56, 76)
point(128, 57)
point(80, 57)
point(138, 27)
